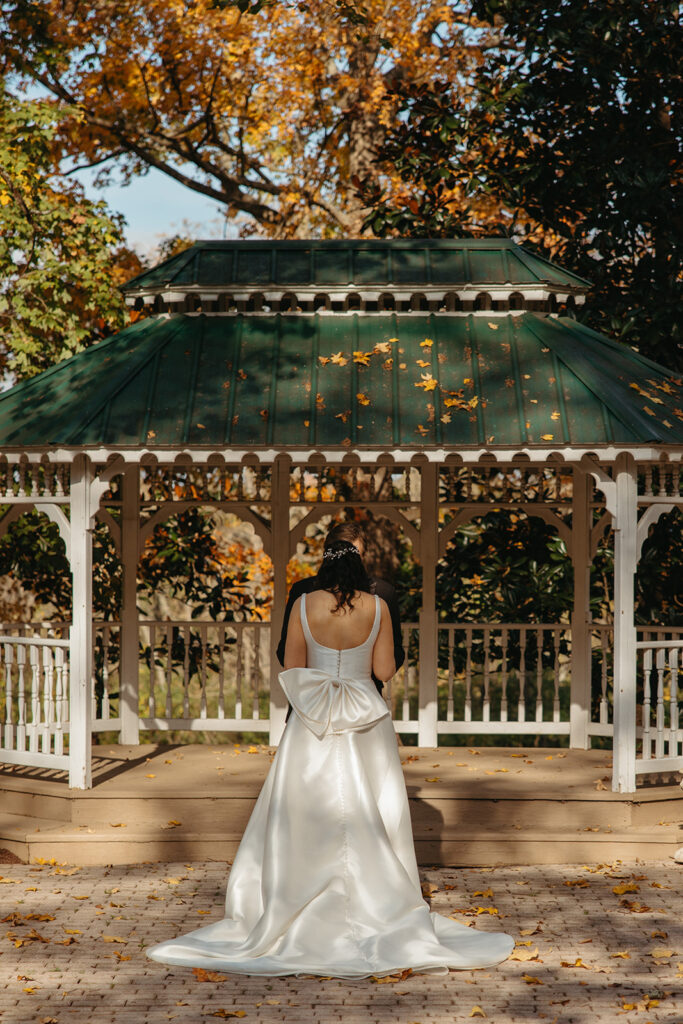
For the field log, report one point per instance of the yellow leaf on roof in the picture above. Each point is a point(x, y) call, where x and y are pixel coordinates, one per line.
point(531, 980)
point(324, 360)
point(422, 430)
point(554, 415)
point(547, 437)
point(427, 343)
point(446, 418)
point(382, 346)
point(362, 399)
point(649, 411)
point(362, 357)
point(428, 383)
point(494, 327)
point(473, 402)
point(477, 1011)
point(339, 359)
point(423, 362)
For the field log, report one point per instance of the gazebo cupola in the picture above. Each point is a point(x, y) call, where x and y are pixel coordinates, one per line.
point(430, 381)
point(367, 277)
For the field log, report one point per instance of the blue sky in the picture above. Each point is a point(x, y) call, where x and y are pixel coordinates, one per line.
point(156, 206)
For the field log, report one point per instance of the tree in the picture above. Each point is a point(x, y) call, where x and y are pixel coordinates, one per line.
point(271, 112)
point(61, 256)
point(577, 120)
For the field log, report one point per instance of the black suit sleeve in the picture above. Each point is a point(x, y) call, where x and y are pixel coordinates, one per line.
point(388, 594)
point(298, 588)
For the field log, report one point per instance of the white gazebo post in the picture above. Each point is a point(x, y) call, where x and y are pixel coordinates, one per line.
point(429, 633)
point(129, 682)
point(80, 648)
point(625, 526)
point(280, 540)
point(581, 668)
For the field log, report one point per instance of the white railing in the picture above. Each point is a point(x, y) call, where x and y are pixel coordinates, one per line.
point(660, 659)
point(205, 675)
point(35, 716)
point(504, 678)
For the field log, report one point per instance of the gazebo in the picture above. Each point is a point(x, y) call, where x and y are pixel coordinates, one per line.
point(429, 381)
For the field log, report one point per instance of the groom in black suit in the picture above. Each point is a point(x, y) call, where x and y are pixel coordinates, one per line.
point(352, 533)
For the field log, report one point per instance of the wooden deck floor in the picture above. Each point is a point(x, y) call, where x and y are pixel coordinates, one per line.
point(470, 806)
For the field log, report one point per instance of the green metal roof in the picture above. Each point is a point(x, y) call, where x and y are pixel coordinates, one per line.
point(392, 262)
point(327, 381)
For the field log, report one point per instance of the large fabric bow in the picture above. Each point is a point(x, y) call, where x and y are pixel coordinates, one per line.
point(327, 703)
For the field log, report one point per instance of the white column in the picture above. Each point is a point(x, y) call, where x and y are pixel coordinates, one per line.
point(80, 648)
point(581, 639)
point(429, 554)
point(279, 539)
point(129, 687)
point(625, 562)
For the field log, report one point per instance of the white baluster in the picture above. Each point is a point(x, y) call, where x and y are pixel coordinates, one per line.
point(32, 727)
point(468, 675)
point(521, 707)
point(539, 675)
point(21, 698)
point(486, 709)
point(556, 675)
point(647, 670)
point(659, 718)
point(449, 709)
point(8, 738)
point(504, 677)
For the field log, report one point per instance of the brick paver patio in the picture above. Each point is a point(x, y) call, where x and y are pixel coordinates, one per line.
point(73, 939)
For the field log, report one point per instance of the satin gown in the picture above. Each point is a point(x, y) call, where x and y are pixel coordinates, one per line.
point(325, 879)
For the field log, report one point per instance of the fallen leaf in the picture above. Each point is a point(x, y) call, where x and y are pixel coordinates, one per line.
point(224, 1014)
point(486, 893)
point(524, 954)
point(427, 343)
point(115, 938)
point(530, 980)
point(339, 359)
point(619, 890)
point(622, 955)
point(659, 935)
point(577, 963)
point(324, 360)
point(428, 383)
point(362, 399)
point(119, 824)
point(423, 362)
point(363, 358)
point(382, 346)
point(659, 953)
point(433, 778)
point(202, 975)
point(580, 883)
point(547, 437)
point(150, 776)
point(477, 1011)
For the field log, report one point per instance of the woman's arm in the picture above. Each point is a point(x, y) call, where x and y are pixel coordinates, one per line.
point(295, 647)
point(383, 662)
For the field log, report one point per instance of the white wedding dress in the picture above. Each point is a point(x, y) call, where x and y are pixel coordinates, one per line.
point(325, 880)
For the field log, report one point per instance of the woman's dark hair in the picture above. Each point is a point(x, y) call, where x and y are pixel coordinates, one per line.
point(342, 573)
point(349, 531)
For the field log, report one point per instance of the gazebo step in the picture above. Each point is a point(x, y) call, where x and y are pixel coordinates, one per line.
point(102, 844)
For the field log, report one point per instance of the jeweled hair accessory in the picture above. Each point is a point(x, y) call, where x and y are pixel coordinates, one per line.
point(348, 549)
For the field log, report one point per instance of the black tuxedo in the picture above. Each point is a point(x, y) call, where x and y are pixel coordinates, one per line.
point(379, 587)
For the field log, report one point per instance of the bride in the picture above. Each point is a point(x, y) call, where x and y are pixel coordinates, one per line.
point(325, 879)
